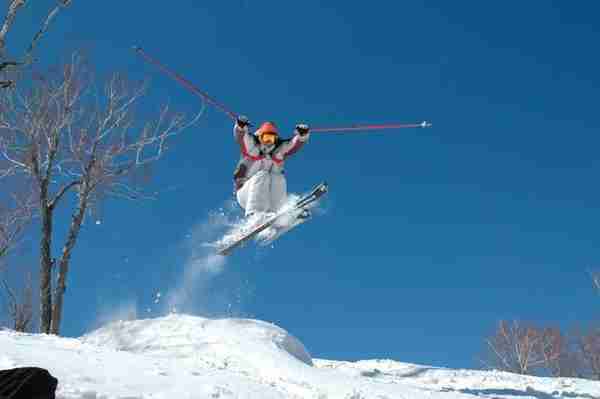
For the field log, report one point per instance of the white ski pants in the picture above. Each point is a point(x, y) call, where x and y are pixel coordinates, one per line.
point(263, 192)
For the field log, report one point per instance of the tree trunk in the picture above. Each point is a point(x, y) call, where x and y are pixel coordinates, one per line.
point(65, 259)
point(45, 267)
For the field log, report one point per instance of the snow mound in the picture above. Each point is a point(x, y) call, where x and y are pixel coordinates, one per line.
point(184, 336)
point(188, 357)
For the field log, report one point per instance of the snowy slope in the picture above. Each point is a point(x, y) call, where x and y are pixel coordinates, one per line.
point(192, 357)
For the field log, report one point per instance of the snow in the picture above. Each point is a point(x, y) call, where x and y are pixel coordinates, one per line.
point(181, 356)
point(237, 228)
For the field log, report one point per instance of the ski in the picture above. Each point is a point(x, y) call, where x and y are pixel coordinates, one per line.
point(301, 206)
point(279, 231)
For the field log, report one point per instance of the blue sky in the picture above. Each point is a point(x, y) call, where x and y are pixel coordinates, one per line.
point(430, 235)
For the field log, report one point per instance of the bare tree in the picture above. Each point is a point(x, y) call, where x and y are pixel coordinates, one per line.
point(65, 137)
point(588, 346)
point(14, 218)
point(19, 304)
point(8, 64)
point(552, 346)
point(15, 214)
point(560, 357)
point(516, 348)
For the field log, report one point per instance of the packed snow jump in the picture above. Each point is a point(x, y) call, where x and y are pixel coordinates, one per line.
point(259, 181)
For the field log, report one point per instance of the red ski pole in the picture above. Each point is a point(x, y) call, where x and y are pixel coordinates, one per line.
point(370, 127)
point(185, 83)
point(197, 91)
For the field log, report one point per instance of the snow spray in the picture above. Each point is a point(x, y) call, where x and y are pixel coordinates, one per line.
point(195, 292)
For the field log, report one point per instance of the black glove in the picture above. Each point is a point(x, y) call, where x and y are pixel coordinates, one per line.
point(302, 129)
point(242, 121)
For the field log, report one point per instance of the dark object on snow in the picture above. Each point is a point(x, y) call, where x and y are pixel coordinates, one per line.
point(27, 383)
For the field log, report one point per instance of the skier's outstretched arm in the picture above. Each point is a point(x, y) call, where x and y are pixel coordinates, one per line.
point(243, 137)
point(293, 145)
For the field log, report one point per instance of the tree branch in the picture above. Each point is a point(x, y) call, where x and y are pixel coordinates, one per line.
point(12, 223)
point(6, 64)
point(62, 192)
point(45, 26)
point(13, 8)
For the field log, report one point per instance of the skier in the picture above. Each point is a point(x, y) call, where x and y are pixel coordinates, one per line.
point(260, 184)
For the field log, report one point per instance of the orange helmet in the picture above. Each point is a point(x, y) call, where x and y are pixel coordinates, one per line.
point(267, 133)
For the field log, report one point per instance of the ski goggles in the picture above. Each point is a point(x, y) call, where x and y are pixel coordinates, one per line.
point(268, 138)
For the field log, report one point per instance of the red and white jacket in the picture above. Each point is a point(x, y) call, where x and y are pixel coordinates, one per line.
point(257, 157)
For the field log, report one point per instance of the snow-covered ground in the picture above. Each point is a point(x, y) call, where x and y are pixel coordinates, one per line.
point(182, 357)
